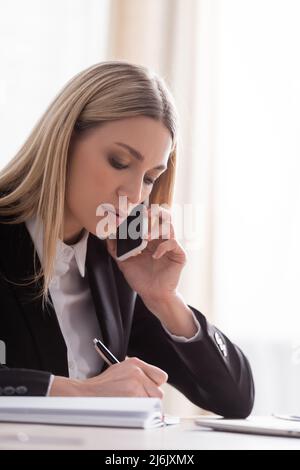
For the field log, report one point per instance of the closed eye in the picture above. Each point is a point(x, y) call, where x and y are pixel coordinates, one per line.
point(149, 181)
point(115, 163)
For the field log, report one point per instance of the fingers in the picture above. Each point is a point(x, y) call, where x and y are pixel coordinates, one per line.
point(177, 252)
point(132, 377)
point(146, 385)
point(154, 373)
point(144, 379)
point(168, 245)
point(160, 224)
point(151, 390)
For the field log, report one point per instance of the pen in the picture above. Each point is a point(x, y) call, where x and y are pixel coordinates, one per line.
point(105, 353)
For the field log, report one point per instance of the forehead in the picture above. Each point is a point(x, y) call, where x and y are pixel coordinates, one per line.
point(149, 137)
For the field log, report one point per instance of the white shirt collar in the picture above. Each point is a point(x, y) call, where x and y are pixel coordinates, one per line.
point(64, 252)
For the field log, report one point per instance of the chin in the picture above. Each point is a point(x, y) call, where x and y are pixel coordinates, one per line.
point(105, 230)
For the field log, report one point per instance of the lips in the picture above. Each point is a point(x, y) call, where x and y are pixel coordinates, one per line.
point(119, 214)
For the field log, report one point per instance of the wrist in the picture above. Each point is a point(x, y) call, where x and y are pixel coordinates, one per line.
point(162, 303)
point(65, 387)
point(174, 314)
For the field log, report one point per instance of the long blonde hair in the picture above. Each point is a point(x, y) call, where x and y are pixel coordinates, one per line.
point(34, 181)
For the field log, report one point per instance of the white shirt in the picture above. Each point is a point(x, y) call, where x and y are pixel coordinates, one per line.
point(73, 304)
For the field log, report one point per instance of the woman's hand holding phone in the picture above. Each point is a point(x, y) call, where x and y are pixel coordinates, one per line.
point(155, 270)
point(154, 274)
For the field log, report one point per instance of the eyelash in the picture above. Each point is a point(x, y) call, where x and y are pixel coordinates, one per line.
point(118, 166)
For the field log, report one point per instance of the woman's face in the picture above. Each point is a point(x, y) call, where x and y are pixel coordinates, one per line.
point(119, 158)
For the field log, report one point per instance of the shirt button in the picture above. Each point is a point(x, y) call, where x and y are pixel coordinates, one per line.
point(71, 364)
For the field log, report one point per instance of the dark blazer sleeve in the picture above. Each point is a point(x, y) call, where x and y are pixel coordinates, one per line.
point(16, 381)
point(22, 382)
point(211, 371)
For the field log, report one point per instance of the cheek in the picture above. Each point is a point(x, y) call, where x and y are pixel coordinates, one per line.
point(79, 177)
point(91, 181)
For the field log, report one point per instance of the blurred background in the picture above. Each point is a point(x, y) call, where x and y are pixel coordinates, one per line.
point(234, 69)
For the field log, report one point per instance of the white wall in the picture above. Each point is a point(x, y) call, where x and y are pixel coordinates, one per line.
point(43, 44)
point(256, 208)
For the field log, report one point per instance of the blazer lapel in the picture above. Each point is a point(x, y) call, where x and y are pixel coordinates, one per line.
point(105, 295)
point(17, 253)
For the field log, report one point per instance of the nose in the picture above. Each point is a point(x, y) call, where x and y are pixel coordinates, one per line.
point(133, 190)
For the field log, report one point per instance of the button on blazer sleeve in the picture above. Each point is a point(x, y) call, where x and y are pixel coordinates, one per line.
point(211, 372)
point(22, 382)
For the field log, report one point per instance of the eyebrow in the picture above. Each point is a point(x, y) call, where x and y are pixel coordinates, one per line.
point(134, 153)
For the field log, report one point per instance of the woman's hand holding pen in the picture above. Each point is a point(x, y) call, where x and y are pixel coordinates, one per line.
point(130, 378)
point(155, 273)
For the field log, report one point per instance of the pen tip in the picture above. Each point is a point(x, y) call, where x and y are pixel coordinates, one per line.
point(95, 340)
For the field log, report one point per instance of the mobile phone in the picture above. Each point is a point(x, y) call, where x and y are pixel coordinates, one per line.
point(131, 232)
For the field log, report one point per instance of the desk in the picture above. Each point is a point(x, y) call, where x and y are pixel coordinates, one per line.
point(185, 435)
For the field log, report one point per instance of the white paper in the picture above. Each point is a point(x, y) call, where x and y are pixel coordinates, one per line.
point(136, 412)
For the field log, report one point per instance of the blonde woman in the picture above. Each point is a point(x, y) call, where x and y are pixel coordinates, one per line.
point(110, 133)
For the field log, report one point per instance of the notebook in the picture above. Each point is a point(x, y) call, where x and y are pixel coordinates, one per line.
point(132, 412)
point(264, 425)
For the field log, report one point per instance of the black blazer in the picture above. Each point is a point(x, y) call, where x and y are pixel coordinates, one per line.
point(211, 372)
